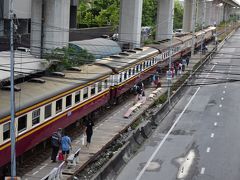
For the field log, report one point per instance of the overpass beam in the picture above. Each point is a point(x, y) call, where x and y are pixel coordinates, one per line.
point(130, 22)
point(165, 19)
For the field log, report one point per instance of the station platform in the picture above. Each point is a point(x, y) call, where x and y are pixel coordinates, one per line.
point(105, 132)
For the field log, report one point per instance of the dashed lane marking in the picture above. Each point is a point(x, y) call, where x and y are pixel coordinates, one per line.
point(208, 150)
point(224, 92)
point(215, 124)
point(225, 87)
point(220, 105)
point(212, 135)
point(35, 173)
point(222, 98)
point(165, 137)
point(202, 170)
point(218, 114)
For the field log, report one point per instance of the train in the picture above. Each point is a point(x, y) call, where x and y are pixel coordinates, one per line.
point(47, 103)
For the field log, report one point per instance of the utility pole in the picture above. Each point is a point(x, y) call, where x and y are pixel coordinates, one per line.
point(170, 62)
point(12, 124)
point(193, 26)
point(202, 26)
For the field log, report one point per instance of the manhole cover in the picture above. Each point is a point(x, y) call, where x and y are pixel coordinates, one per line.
point(153, 166)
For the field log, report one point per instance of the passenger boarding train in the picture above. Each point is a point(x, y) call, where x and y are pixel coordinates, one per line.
point(46, 104)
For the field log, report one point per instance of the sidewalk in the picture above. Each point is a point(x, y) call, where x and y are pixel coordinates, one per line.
point(106, 131)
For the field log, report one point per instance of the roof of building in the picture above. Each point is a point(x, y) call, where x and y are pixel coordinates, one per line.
point(99, 47)
point(25, 64)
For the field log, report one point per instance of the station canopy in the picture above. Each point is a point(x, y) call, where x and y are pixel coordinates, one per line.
point(98, 47)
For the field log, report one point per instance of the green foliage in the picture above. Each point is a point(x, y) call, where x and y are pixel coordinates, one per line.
point(99, 12)
point(69, 57)
point(178, 15)
point(149, 14)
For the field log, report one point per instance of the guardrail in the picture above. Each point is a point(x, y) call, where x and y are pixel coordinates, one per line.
point(73, 159)
point(55, 174)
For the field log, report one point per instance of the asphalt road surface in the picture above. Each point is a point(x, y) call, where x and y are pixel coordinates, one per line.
point(200, 138)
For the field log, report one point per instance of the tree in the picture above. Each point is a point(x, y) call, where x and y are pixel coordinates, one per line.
point(69, 57)
point(178, 15)
point(149, 14)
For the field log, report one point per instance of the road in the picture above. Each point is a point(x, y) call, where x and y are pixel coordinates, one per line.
point(200, 138)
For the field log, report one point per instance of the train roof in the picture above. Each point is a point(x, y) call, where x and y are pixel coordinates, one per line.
point(126, 58)
point(32, 93)
point(25, 63)
point(164, 45)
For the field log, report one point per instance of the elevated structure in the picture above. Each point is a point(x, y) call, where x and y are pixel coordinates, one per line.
point(130, 22)
point(50, 25)
point(215, 11)
point(165, 19)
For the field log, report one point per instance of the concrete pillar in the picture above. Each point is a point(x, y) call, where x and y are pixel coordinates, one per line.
point(36, 21)
point(55, 28)
point(201, 13)
point(165, 19)
point(56, 25)
point(187, 16)
point(208, 13)
point(130, 22)
point(1, 27)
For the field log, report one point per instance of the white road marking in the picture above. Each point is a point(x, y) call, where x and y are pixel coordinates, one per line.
point(225, 87)
point(202, 170)
point(42, 167)
point(35, 173)
point(101, 124)
point(220, 105)
point(215, 124)
point(212, 135)
point(208, 150)
point(212, 67)
point(165, 137)
point(218, 114)
point(224, 92)
point(222, 98)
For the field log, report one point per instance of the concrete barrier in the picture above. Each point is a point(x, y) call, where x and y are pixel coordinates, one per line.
point(146, 130)
point(138, 137)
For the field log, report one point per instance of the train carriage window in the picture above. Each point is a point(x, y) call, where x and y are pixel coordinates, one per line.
point(77, 97)
point(85, 93)
point(36, 117)
point(137, 69)
point(93, 89)
point(22, 123)
point(120, 77)
point(58, 105)
point(100, 86)
point(125, 75)
point(133, 71)
point(141, 67)
point(129, 72)
point(105, 84)
point(6, 131)
point(48, 111)
point(68, 101)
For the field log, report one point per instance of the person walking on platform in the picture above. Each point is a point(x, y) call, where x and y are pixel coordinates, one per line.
point(183, 64)
point(66, 146)
point(56, 144)
point(187, 60)
point(88, 130)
